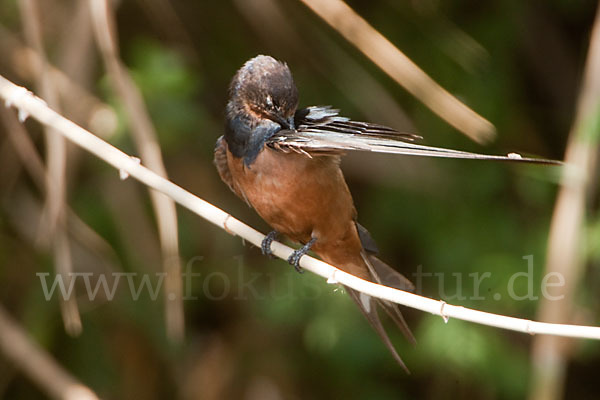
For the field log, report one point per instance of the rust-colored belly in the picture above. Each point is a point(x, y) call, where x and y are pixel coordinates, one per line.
point(298, 196)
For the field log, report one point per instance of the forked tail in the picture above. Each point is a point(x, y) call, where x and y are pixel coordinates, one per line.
point(385, 275)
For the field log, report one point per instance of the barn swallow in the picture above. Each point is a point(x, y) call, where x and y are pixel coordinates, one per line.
point(285, 163)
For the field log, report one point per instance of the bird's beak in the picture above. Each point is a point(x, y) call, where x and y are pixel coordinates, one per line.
point(285, 123)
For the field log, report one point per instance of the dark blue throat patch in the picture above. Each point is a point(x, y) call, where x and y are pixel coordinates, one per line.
point(245, 141)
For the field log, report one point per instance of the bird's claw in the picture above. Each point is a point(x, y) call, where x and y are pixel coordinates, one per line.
point(265, 246)
point(295, 257)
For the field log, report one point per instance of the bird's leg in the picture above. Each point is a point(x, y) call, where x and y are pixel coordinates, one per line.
point(265, 246)
point(294, 259)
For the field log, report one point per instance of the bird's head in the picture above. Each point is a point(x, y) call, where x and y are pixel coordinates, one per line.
point(265, 89)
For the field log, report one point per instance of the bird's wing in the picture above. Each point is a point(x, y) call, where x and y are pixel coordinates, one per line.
point(321, 129)
point(220, 161)
point(324, 117)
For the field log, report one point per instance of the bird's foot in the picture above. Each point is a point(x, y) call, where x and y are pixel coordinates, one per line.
point(265, 246)
point(294, 259)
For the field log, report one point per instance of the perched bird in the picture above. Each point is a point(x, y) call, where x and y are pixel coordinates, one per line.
point(285, 163)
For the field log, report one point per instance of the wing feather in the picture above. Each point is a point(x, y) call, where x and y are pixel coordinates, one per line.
point(321, 130)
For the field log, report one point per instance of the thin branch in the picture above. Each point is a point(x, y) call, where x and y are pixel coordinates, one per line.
point(565, 251)
point(56, 156)
point(146, 141)
point(27, 64)
point(24, 149)
point(38, 365)
point(33, 164)
point(28, 103)
point(401, 68)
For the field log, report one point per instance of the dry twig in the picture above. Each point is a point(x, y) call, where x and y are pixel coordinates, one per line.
point(400, 68)
point(269, 19)
point(39, 365)
point(146, 141)
point(32, 162)
point(56, 156)
point(564, 255)
point(27, 63)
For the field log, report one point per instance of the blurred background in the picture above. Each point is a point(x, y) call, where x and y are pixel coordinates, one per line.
point(254, 328)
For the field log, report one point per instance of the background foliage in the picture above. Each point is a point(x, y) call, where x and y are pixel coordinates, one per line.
point(257, 329)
